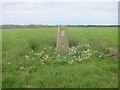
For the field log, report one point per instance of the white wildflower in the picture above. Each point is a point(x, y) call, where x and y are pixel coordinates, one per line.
point(100, 56)
point(43, 63)
point(64, 57)
point(95, 51)
point(74, 56)
point(26, 56)
point(42, 52)
point(47, 56)
point(32, 51)
point(79, 59)
point(88, 50)
point(58, 55)
point(8, 63)
point(70, 62)
point(59, 60)
point(21, 68)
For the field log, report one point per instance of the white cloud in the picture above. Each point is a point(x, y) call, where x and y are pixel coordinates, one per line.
point(60, 12)
point(60, 1)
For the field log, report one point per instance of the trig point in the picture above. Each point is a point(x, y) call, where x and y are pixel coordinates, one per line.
point(62, 40)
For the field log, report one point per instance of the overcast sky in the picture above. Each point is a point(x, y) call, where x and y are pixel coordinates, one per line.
point(59, 12)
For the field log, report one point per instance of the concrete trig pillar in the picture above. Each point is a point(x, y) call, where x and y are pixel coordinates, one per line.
point(62, 39)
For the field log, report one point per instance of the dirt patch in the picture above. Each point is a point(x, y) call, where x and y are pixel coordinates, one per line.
point(113, 52)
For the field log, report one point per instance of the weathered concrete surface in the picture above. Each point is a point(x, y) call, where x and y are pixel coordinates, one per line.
point(62, 39)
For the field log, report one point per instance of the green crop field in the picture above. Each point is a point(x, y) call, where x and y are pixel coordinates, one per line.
point(30, 58)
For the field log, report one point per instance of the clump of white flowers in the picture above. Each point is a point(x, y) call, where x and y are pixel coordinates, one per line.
point(78, 53)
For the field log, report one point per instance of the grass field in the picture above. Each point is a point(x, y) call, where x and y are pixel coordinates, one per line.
point(29, 58)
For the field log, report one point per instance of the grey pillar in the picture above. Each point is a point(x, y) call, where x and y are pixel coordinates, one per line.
point(62, 40)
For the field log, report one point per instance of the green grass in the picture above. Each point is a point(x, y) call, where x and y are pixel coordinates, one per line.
point(95, 72)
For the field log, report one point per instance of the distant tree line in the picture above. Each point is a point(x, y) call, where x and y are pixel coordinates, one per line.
point(40, 26)
point(93, 25)
point(25, 26)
